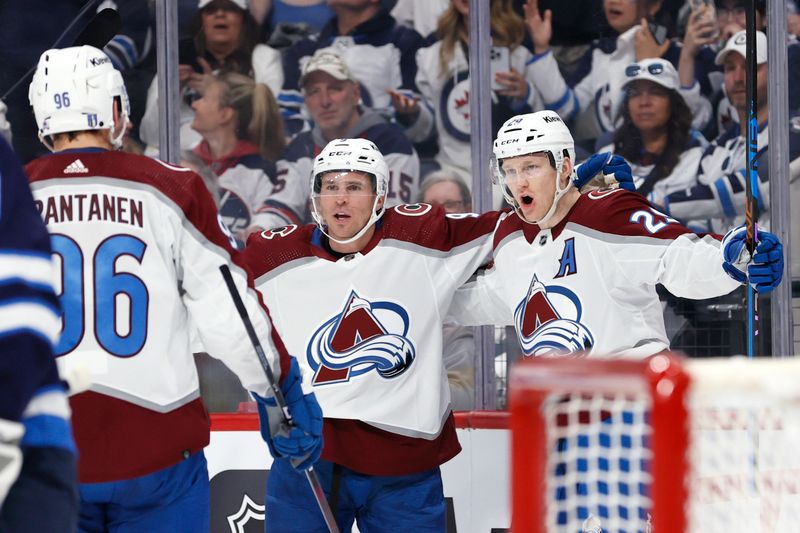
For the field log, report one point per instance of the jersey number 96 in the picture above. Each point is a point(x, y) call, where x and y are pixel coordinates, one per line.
point(107, 287)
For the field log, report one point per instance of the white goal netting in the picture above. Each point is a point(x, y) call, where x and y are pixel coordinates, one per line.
point(712, 445)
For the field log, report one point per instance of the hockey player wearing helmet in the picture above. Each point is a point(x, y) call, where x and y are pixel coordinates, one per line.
point(127, 225)
point(578, 273)
point(361, 295)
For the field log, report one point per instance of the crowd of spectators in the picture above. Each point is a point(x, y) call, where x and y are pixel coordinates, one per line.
point(265, 84)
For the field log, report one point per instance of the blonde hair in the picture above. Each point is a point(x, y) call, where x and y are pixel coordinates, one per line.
point(258, 117)
point(507, 29)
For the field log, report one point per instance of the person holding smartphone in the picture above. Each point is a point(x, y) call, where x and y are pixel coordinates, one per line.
point(592, 99)
point(444, 84)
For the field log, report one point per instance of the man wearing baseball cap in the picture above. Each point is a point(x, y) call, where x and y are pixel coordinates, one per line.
point(333, 102)
point(720, 193)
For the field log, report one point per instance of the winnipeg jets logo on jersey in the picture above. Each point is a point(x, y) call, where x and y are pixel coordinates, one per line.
point(455, 100)
point(364, 337)
point(548, 321)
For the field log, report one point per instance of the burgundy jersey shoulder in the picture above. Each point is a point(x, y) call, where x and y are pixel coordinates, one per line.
point(429, 226)
point(175, 182)
point(273, 248)
point(621, 212)
point(510, 225)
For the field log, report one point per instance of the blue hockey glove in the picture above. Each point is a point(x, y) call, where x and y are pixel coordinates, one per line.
point(301, 443)
point(615, 172)
point(765, 271)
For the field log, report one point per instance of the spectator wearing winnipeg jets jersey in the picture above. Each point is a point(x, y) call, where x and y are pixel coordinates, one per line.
point(656, 135)
point(332, 96)
point(720, 192)
point(379, 52)
point(242, 138)
point(443, 82)
point(591, 100)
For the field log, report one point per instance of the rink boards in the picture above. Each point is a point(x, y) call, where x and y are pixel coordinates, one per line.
point(476, 482)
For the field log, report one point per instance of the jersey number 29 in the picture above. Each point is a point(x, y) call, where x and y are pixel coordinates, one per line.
point(108, 285)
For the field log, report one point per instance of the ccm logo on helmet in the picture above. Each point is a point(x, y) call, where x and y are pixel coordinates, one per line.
point(552, 119)
point(509, 141)
point(339, 153)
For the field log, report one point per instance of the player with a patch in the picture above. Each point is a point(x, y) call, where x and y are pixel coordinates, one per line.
point(578, 273)
point(139, 245)
point(359, 299)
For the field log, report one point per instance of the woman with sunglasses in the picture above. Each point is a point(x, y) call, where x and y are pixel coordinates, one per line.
point(656, 134)
point(225, 39)
point(591, 100)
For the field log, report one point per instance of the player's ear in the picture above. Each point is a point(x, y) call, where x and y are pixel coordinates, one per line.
point(379, 205)
point(566, 171)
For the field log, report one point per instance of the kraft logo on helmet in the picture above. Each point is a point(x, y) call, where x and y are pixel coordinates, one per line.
point(97, 61)
point(552, 118)
point(364, 337)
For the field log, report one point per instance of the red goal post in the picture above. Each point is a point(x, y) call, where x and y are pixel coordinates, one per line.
point(663, 445)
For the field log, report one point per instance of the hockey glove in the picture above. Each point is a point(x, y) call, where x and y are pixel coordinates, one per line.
point(616, 172)
point(765, 270)
point(301, 443)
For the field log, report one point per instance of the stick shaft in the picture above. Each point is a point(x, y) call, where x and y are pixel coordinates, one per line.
point(751, 169)
point(311, 474)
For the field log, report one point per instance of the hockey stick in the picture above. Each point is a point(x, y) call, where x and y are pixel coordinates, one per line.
point(97, 32)
point(751, 170)
point(311, 474)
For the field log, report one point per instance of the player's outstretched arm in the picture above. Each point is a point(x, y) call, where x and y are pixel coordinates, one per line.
point(604, 170)
point(300, 443)
point(764, 271)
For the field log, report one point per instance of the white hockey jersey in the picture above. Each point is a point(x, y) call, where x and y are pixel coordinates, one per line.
point(445, 102)
point(366, 328)
point(589, 284)
point(139, 244)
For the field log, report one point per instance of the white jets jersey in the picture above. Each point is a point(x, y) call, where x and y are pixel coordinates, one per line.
point(366, 328)
point(445, 101)
point(594, 96)
point(139, 244)
point(589, 284)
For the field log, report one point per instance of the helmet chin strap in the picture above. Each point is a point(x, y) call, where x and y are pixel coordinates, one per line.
point(372, 219)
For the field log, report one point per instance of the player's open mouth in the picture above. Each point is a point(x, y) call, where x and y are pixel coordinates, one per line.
point(614, 12)
point(221, 26)
point(341, 216)
point(526, 200)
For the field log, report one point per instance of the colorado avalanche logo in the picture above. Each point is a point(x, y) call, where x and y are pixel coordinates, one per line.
point(542, 330)
point(358, 340)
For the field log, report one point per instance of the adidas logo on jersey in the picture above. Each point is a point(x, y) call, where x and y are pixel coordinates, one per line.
point(76, 167)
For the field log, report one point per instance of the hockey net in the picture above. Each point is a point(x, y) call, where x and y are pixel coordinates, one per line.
point(666, 445)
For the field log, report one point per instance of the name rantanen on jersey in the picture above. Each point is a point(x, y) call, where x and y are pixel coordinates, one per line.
point(90, 207)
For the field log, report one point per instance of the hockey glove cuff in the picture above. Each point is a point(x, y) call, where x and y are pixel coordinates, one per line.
point(300, 441)
point(10, 455)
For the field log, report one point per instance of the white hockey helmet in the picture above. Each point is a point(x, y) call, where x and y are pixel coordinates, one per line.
point(347, 155)
point(543, 131)
point(74, 89)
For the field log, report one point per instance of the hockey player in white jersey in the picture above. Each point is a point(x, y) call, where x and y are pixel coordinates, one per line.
point(139, 244)
point(360, 297)
point(578, 273)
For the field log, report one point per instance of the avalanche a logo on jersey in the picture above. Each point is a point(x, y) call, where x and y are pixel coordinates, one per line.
point(364, 337)
point(548, 321)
